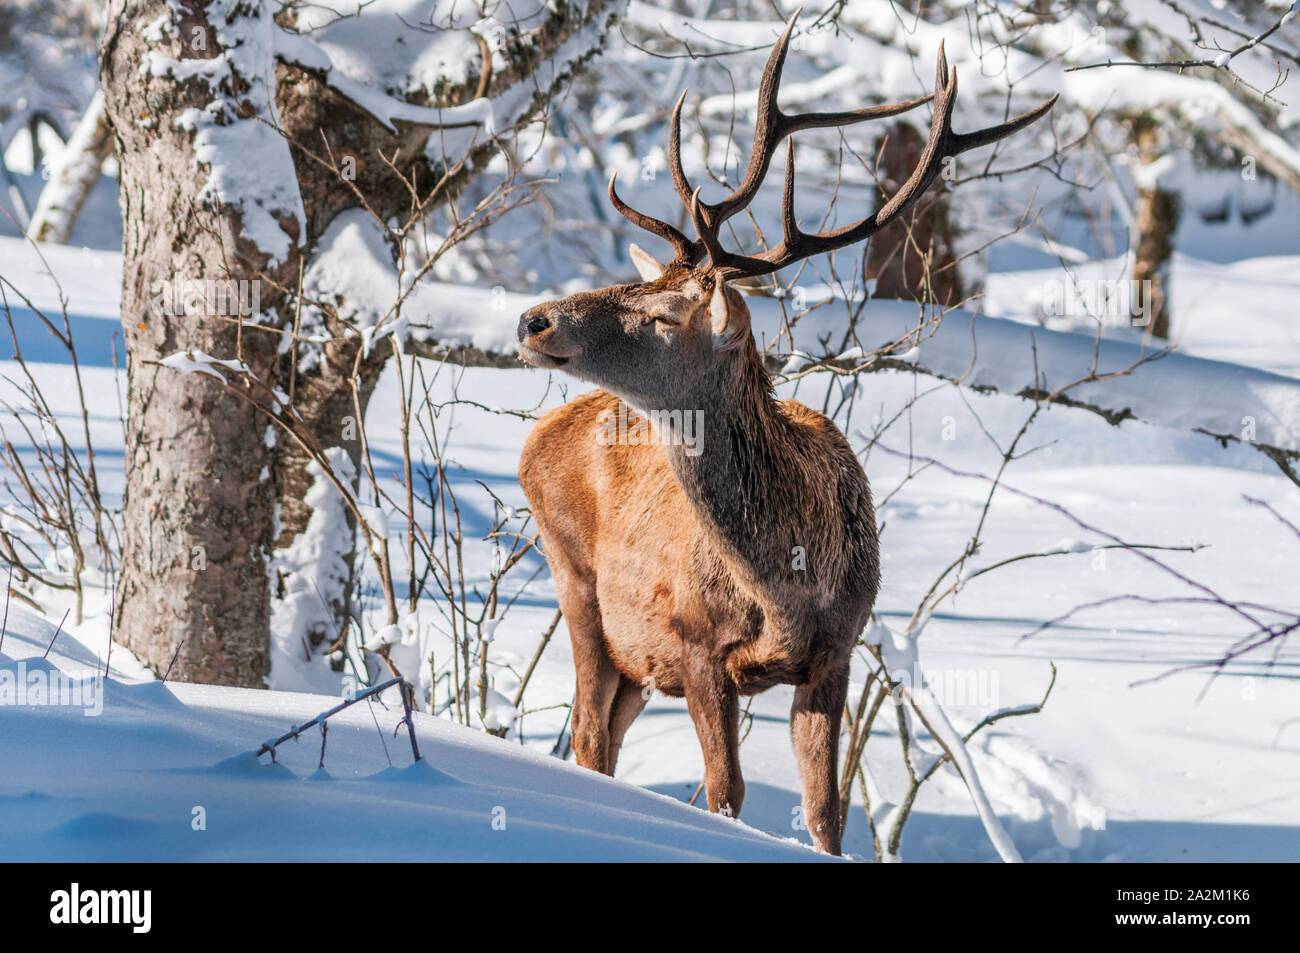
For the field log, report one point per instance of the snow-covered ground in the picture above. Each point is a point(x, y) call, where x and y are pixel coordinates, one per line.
point(144, 770)
point(1122, 764)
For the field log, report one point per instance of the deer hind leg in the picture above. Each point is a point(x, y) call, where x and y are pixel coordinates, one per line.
point(714, 706)
point(815, 733)
point(629, 701)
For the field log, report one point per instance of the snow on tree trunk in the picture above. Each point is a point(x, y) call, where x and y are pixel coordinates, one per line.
point(313, 561)
point(76, 170)
point(313, 553)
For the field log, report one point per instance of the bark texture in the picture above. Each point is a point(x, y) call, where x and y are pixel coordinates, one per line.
point(198, 510)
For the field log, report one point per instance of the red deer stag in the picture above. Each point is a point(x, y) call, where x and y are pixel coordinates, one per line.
point(717, 561)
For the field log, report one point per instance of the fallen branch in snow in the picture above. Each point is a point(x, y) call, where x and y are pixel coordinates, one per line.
point(898, 675)
point(904, 810)
point(268, 747)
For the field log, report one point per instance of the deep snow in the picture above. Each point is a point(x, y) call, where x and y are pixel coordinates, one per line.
point(167, 772)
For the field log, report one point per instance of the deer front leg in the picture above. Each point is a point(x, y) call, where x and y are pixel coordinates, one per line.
point(597, 682)
point(597, 679)
point(815, 732)
point(715, 710)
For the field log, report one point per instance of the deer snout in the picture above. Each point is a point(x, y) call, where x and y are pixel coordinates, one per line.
point(541, 342)
point(531, 322)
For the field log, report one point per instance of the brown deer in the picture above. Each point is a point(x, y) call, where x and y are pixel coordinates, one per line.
point(716, 562)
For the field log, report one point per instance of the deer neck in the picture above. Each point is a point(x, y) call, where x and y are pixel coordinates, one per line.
point(744, 477)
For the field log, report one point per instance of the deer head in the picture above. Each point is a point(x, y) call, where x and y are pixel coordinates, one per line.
point(651, 341)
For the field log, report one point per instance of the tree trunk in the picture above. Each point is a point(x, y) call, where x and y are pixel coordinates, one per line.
point(912, 259)
point(198, 506)
point(1156, 218)
point(75, 175)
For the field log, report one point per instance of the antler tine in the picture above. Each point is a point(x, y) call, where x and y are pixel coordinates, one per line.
point(970, 140)
point(767, 132)
point(941, 69)
point(802, 121)
point(675, 153)
point(788, 223)
point(945, 98)
point(766, 136)
point(688, 252)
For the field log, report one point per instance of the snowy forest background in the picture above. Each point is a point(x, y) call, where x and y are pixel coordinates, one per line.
point(1073, 377)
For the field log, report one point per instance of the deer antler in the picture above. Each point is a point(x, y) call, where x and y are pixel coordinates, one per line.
point(770, 127)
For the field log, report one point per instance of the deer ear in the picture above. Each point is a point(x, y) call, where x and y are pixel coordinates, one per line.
point(645, 263)
point(725, 319)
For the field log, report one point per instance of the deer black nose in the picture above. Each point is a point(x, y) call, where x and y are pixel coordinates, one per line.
point(530, 323)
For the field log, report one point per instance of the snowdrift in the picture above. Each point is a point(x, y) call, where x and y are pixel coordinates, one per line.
point(166, 771)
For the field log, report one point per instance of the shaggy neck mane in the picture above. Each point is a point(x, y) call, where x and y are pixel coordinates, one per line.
point(752, 484)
